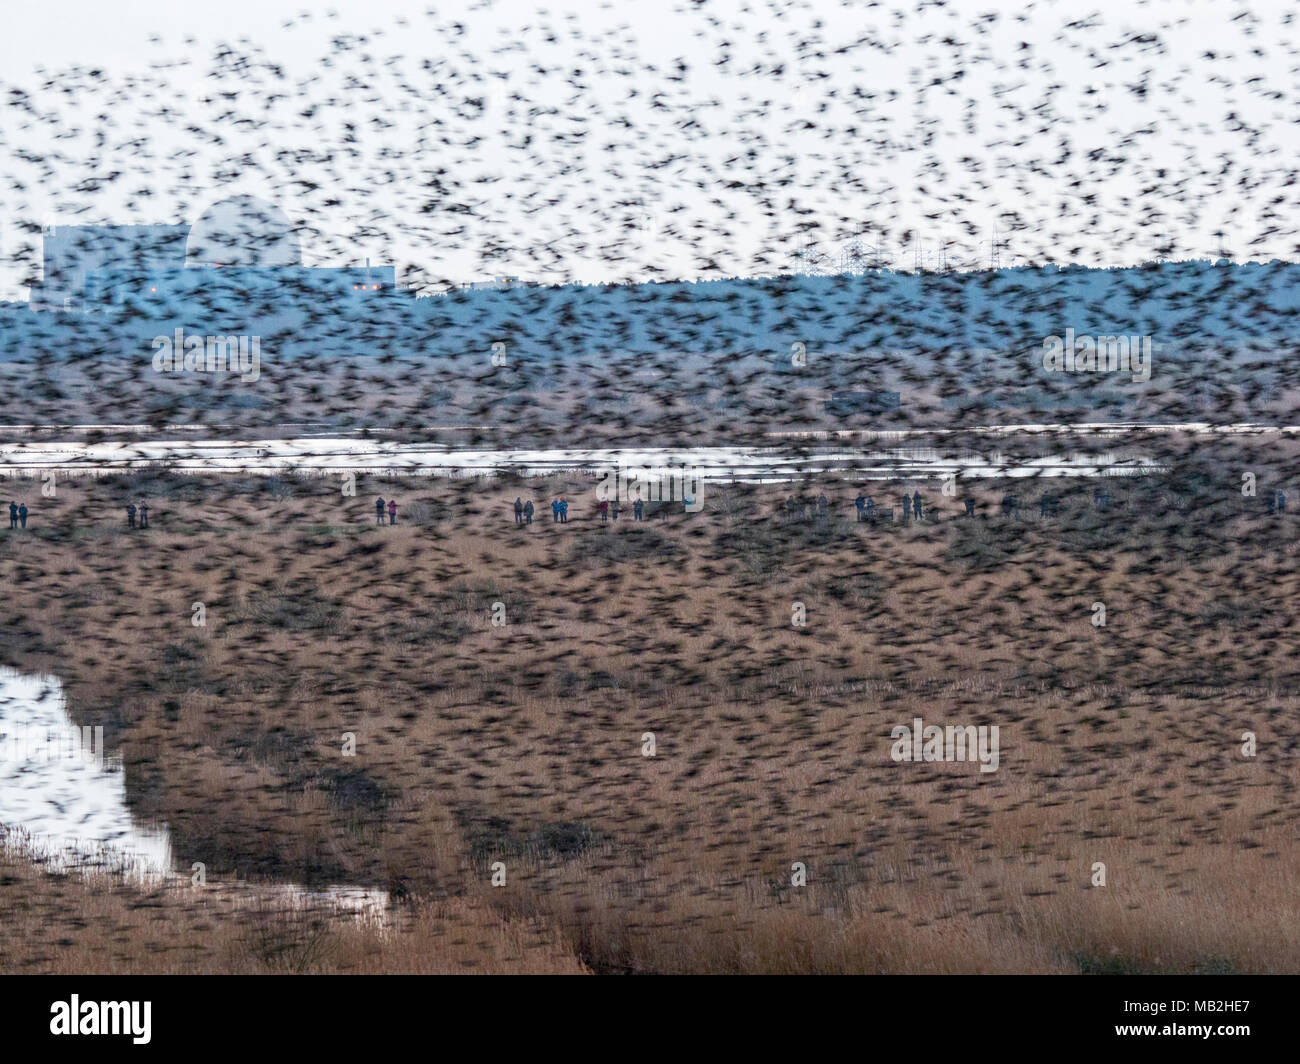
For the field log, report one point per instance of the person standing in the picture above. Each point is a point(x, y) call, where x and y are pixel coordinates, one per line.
point(638, 509)
point(528, 512)
point(555, 511)
point(144, 514)
point(22, 515)
point(613, 510)
point(13, 515)
point(604, 511)
point(861, 504)
point(870, 509)
point(519, 510)
point(130, 515)
point(564, 510)
point(907, 505)
point(379, 510)
point(392, 511)
point(916, 504)
point(970, 506)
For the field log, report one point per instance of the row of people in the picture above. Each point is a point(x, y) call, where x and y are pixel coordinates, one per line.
point(913, 505)
point(865, 505)
point(1048, 505)
point(607, 509)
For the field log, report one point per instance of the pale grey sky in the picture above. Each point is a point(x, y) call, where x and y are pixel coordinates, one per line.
point(514, 137)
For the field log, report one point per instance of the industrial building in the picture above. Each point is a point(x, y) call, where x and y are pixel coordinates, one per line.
point(72, 252)
point(239, 248)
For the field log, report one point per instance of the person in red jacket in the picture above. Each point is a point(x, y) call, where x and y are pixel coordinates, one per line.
point(392, 511)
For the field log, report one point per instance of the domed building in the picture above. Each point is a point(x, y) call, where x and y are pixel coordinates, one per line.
point(243, 231)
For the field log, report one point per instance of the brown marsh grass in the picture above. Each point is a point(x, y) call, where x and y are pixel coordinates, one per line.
point(522, 743)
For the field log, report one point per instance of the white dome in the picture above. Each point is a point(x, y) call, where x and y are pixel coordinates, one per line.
point(243, 231)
